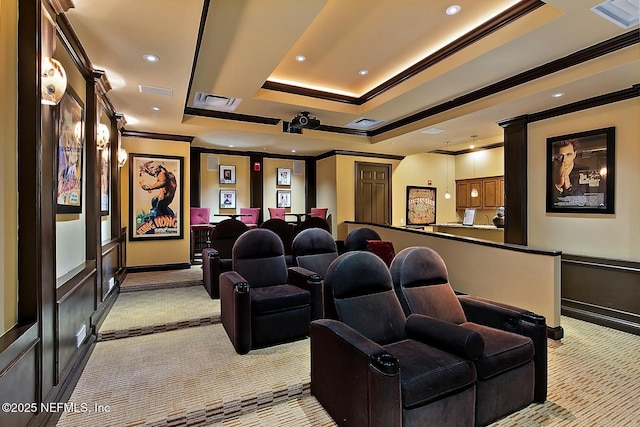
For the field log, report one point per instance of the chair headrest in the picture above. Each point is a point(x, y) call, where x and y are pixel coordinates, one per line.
point(258, 243)
point(358, 273)
point(313, 241)
point(229, 229)
point(356, 240)
point(418, 266)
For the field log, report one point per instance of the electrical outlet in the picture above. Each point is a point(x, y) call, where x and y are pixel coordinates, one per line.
point(80, 336)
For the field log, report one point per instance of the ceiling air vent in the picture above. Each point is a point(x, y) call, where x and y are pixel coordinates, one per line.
point(364, 123)
point(215, 102)
point(625, 13)
point(152, 90)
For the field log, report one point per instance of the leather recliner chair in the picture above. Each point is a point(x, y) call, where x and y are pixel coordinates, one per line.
point(262, 302)
point(512, 370)
point(286, 232)
point(217, 258)
point(373, 366)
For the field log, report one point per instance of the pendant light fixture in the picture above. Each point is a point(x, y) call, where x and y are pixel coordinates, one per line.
point(447, 195)
point(474, 191)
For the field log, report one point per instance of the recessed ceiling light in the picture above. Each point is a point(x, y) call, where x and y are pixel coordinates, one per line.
point(150, 57)
point(557, 95)
point(472, 146)
point(363, 72)
point(452, 10)
point(155, 108)
point(301, 58)
point(230, 145)
point(293, 151)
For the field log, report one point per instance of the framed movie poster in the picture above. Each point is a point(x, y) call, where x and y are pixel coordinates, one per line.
point(227, 199)
point(283, 198)
point(155, 197)
point(581, 172)
point(70, 133)
point(105, 175)
point(284, 176)
point(227, 174)
point(421, 205)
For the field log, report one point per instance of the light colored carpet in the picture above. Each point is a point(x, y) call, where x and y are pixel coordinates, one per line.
point(146, 312)
point(148, 280)
point(186, 377)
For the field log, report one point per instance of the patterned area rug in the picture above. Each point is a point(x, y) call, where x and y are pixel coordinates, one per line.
point(150, 280)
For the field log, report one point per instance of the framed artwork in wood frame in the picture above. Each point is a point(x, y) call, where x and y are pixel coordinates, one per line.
point(581, 172)
point(227, 199)
point(284, 176)
point(70, 136)
point(421, 205)
point(227, 174)
point(156, 185)
point(283, 198)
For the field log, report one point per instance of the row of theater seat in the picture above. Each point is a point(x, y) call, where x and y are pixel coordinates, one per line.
point(389, 345)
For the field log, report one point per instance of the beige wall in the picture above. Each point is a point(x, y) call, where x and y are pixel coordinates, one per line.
point(610, 236)
point(71, 228)
point(157, 252)
point(269, 186)
point(417, 170)
point(8, 162)
point(327, 190)
point(210, 184)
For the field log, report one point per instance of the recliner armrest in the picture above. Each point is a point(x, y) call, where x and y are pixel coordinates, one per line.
point(519, 321)
point(211, 272)
point(235, 310)
point(312, 282)
point(446, 336)
point(355, 379)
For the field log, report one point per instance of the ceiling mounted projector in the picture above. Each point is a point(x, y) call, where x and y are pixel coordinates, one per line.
point(302, 121)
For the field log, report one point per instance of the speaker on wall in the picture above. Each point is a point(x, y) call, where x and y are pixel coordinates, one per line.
point(298, 168)
point(212, 163)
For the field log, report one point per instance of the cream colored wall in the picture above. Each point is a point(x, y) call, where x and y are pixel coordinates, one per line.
point(71, 228)
point(9, 161)
point(417, 170)
point(610, 236)
point(269, 186)
point(157, 252)
point(326, 189)
point(210, 184)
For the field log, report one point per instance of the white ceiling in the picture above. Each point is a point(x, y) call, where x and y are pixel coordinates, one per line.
point(246, 43)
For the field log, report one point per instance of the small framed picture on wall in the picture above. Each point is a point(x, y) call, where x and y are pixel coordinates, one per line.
point(227, 199)
point(283, 198)
point(284, 176)
point(227, 174)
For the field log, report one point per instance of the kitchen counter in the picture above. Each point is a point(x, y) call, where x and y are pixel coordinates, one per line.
point(477, 231)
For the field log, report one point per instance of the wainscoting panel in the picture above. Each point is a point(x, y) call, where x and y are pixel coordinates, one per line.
point(74, 309)
point(18, 374)
point(602, 291)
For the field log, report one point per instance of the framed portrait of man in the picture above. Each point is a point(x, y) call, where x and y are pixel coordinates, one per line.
point(227, 174)
point(581, 172)
point(284, 176)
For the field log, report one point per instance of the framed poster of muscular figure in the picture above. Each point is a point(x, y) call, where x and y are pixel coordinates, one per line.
point(155, 197)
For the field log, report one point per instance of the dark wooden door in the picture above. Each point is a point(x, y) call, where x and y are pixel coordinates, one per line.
point(373, 199)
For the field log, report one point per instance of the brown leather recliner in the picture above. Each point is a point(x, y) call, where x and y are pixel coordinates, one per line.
point(372, 366)
point(512, 371)
point(262, 302)
point(217, 258)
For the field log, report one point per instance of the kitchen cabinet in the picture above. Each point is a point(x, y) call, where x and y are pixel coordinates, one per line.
point(490, 193)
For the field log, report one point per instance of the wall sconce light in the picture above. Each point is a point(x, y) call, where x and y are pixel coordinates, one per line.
point(474, 191)
point(122, 157)
point(102, 137)
point(53, 81)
